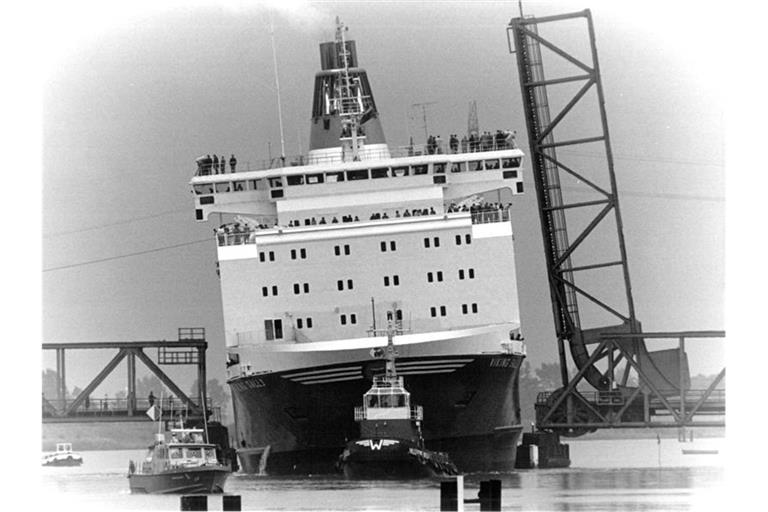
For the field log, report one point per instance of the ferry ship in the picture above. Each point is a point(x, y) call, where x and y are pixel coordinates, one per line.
point(318, 250)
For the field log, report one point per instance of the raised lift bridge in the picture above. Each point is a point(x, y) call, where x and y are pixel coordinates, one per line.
point(619, 383)
point(189, 349)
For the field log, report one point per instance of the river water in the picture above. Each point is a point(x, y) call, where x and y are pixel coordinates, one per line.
point(615, 475)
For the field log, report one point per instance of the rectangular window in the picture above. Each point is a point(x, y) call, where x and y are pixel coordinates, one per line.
point(271, 256)
point(262, 258)
point(429, 277)
point(468, 238)
point(383, 246)
point(349, 284)
point(439, 275)
point(296, 289)
point(491, 164)
point(295, 180)
point(519, 187)
point(461, 273)
point(340, 284)
point(346, 250)
point(476, 166)
point(353, 318)
point(436, 241)
point(442, 311)
point(273, 329)
point(314, 178)
point(309, 323)
point(274, 290)
point(337, 250)
point(392, 246)
point(299, 323)
point(293, 254)
point(386, 280)
point(303, 253)
point(438, 168)
point(357, 175)
point(426, 243)
point(419, 169)
point(433, 311)
point(474, 307)
point(396, 280)
point(222, 187)
point(471, 273)
point(264, 291)
point(464, 309)
point(379, 173)
point(458, 239)
point(306, 287)
point(399, 171)
point(332, 177)
point(343, 319)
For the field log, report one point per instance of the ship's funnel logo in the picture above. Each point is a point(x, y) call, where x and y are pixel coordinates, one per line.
point(376, 445)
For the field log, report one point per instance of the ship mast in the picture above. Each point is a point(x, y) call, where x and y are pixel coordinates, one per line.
point(350, 104)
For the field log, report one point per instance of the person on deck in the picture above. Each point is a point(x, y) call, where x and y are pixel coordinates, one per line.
point(232, 163)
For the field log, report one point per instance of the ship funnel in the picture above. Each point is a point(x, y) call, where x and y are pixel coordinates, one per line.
point(345, 122)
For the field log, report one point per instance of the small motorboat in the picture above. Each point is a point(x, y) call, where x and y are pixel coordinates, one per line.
point(179, 461)
point(63, 456)
point(391, 444)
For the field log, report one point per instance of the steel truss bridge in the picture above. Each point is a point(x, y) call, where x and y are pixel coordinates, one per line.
point(619, 382)
point(189, 349)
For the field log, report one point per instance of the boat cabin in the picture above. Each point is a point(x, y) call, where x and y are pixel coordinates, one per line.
point(63, 447)
point(387, 400)
point(179, 448)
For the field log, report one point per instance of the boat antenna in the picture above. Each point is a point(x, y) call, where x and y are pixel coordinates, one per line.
point(160, 418)
point(520, 6)
point(205, 417)
point(277, 86)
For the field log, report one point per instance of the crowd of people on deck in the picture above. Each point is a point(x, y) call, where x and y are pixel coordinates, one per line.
point(207, 165)
point(487, 141)
point(481, 212)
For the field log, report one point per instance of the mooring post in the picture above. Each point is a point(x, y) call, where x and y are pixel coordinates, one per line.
point(448, 495)
point(231, 502)
point(194, 502)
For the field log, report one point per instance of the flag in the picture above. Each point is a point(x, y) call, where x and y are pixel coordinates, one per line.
point(154, 412)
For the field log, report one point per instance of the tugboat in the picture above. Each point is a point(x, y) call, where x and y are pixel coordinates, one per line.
point(63, 456)
point(391, 444)
point(179, 461)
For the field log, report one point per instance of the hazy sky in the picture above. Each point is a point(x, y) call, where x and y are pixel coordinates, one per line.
point(135, 96)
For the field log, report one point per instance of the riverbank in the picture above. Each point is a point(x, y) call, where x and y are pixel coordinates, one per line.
point(138, 435)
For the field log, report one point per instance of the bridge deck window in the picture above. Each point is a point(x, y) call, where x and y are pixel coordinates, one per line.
point(476, 165)
point(492, 164)
point(509, 163)
point(357, 175)
point(438, 168)
point(314, 178)
point(333, 177)
point(399, 171)
point(222, 187)
point(379, 173)
point(420, 169)
point(295, 180)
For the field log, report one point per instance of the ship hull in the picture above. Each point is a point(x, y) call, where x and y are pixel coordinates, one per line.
point(186, 481)
point(376, 459)
point(299, 422)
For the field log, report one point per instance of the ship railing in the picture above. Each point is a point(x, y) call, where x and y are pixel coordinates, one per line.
point(97, 407)
point(616, 397)
point(490, 215)
point(416, 414)
point(246, 235)
point(364, 153)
